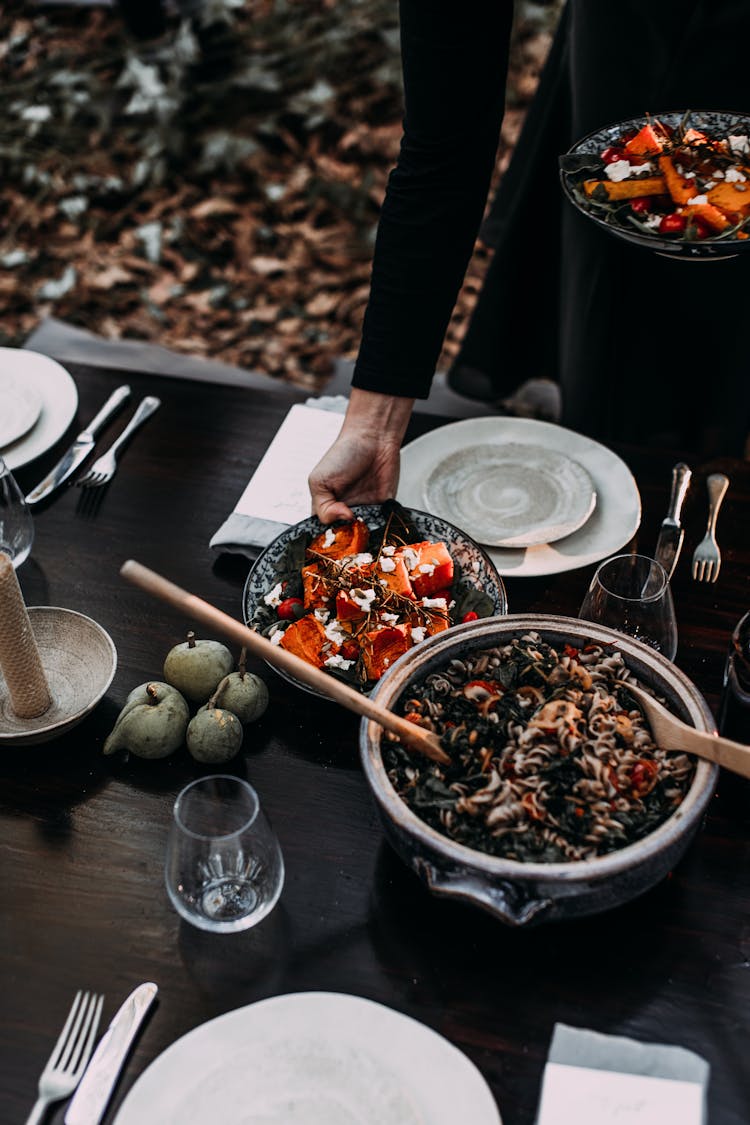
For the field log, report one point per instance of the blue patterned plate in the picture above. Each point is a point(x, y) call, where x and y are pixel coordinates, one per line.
point(582, 162)
point(476, 585)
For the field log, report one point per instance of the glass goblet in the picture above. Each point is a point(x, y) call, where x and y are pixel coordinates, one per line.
point(224, 869)
point(16, 523)
point(630, 593)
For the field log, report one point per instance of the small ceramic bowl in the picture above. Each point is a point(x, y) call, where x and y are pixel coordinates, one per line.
point(79, 661)
point(522, 894)
point(283, 558)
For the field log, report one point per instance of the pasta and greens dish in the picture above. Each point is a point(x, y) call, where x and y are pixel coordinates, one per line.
point(552, 759)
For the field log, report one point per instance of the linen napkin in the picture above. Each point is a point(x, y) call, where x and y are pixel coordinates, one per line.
point(277, 494)
point(596, 1079)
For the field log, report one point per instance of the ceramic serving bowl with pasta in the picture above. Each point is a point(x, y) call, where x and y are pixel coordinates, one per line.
point(557, 802)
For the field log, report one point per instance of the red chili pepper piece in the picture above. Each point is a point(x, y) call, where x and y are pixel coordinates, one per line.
point(470, 616)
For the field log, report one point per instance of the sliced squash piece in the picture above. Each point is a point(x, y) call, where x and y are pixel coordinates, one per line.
point(628, 189)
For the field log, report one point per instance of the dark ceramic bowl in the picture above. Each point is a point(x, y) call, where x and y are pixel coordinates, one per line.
point(279, 558)
point(522, 894)
point(620, 222)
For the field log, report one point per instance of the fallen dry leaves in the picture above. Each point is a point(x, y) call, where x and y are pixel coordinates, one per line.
point(216, 191)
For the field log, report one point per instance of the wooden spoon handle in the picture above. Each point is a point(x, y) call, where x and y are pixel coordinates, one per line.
point(733, 756)
point(194, 607)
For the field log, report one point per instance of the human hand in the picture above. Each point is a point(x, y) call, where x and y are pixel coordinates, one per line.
point(362, 465)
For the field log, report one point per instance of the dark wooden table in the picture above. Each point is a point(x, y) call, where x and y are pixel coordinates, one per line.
point(82, 837)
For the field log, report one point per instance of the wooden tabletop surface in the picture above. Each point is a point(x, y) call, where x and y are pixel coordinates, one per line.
point(82, 899)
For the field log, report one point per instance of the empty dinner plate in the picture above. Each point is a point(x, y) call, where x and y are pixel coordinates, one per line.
point(311, 1058)
point(20, 405)
point(511, 494)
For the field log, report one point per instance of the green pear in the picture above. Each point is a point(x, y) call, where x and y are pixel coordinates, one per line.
point(152, 723)
point(214, 735)
point(196, 666)
point(242, 693)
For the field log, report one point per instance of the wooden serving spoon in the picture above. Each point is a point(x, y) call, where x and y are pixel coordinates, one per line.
point(671, 733)
point(194, 607)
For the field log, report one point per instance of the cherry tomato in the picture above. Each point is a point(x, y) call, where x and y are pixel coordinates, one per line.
point(611, 154)
point(470, 616)
point(672, 224)
point(290, 609)
point(643, 777)
point(702, 230)
point(641, 205)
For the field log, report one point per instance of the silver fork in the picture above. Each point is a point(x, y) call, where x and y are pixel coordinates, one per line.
point(103, 469)
point(70, 1054)
point(707, 556)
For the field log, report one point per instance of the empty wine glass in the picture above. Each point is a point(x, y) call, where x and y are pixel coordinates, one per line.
point(224, 869)
point(630, 593)
point(16, 523)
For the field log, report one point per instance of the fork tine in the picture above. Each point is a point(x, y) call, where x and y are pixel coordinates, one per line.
point(88, 1034)
point(67, 1047)
point(60, 1044)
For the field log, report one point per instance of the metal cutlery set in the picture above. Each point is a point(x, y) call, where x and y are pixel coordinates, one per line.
point(707, 556)
point(67, 1070)
point(103, 469)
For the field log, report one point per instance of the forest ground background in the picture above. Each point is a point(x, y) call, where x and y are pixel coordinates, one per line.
point(214, 187)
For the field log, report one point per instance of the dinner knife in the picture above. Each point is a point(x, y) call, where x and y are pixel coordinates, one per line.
point(95, 1088)
point(669, 543)
point(80, 448)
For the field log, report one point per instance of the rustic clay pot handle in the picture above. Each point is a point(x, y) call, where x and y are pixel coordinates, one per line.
point(503, 900)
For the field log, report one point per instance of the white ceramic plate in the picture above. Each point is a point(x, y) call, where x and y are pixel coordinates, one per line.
point(57, 395)
point(511, 495)
point(20, 405)
point(311, 1058)
point(613, 522)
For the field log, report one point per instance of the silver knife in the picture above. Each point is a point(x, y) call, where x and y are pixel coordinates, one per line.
point(95, 1088)
point(80, 448)
point(669, 543)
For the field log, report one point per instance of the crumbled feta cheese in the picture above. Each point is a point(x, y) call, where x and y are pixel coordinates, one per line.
point(389, 618)
point(329, 538)
point(363, 598)
point(387, 565)
point(434, 603)
point(708, 185)
point(389, 549)
point(698, 200)
point(276, 636)
point(734, 176)
point(386, 661)
point(653, 222)
point(337, 661)
point(410, 557)
point(360, 560)
point(274, 597)
point(739, 145)
point(335, 633)
point(417, 634)
point(322, 615)
point(686, 175)
point(641, 169)
point(618, 170)
point(427, 568)
point(717, 174)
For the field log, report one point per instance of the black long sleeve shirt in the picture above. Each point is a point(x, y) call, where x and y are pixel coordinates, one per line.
point(455, 60)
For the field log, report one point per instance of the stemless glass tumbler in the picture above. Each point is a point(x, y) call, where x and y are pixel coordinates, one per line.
point(16, 523)
point(630, 593)
point(224, 869)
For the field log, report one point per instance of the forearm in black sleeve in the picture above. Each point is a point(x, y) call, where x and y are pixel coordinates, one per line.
point(455, 56)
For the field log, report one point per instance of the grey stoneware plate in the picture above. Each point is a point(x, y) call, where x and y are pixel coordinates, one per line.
point(511, 494)
point(525, 894)
point(477, 586)
point(581, 162)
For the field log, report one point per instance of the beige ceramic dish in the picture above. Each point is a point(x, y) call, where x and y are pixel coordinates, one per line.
point(79, 660)
point(521, 894)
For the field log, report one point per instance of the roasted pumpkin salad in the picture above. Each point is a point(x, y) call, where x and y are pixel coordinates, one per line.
point(355, 599)
point(675, 182)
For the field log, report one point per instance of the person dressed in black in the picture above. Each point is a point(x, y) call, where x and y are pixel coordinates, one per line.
point(646, 349)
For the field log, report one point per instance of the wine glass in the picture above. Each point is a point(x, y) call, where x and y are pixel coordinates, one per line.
point(224, 869)
point(16, 523)
point(630, 593)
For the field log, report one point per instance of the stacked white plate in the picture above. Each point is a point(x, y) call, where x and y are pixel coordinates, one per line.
point(542, 499)
point(38, 400)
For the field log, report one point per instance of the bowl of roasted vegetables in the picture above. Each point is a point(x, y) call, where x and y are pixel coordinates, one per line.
point(677, 183)
point(352, 598)
point(556, 801)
